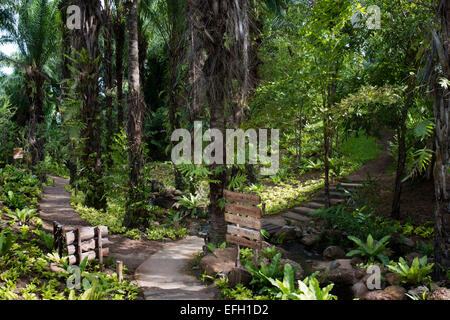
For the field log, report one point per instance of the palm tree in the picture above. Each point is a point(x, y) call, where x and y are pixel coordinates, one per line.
point(35, 37)
point(86, 63)
point(135, 108)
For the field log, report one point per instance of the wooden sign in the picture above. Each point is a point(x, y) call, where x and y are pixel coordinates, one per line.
point(244, 210)
point(18, 153)
point(241, 197)
point(250, 222)
point(244, 218)
point(243, 242)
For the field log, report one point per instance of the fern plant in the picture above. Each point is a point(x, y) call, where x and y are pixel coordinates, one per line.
point(416, 273)
point(370, 249)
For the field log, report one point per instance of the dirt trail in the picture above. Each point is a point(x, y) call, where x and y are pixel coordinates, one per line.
point(55, 206)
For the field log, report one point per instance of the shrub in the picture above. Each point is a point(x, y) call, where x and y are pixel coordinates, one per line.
point(369, 249)
point(416, 273)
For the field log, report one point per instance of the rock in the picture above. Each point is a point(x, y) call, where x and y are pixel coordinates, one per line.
point(359, 290)
point(222, 260)
point(356, 260)
point(166, 198)
point(287, 232)
point(310, 239)
point(333, 252)
point(410, 256)
point(392, 278)
point(409, 242)
point(359, 273)
point(239, 275)
point(440, 293)
point(341, 272)
point(419, 291)
point(390, 293)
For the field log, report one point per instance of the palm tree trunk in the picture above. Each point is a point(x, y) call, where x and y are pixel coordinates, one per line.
point(119, 34)
point(109, 80)
point(135, 106)
point(86, 43)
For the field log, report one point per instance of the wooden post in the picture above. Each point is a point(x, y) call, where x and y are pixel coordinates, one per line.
point(79, 250)
point(99, 247)
point(119, 267)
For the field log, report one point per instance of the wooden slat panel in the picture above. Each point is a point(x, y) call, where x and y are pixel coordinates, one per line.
point(241, 197)
point(241, 209)
point(243, 242)
point(247, 233)
point(250, 222)
point(90, 254)
point(86, 233)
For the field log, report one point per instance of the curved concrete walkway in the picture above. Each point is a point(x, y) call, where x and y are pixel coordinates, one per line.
point(164, 275)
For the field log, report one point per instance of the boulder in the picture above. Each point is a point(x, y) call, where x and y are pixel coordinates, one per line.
point(440, 293)
point(419, 291)
point(310, 239)
point(287, 232)
point(392, 278)
point(359, 290)
point(341, 272)
point(409, 242)
point(389, 293)
point(410, 256)
point(333, 252)
point(222, 260)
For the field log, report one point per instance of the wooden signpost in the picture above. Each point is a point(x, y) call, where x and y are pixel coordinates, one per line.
point(83, 242)
point(244, 218)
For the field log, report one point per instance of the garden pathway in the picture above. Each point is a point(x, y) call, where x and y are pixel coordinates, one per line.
point(165, 273)
point(55, 206)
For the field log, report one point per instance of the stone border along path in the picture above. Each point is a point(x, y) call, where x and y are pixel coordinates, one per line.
point(165, 275)
point(301, 214)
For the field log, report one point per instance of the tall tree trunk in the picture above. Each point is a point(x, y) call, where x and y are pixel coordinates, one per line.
point(109, 80)
point(66, 74)
point(135, 107)
point(35, 92)
point(401, 157)
point(119, 34)
point(442, 140)
point(86, 43)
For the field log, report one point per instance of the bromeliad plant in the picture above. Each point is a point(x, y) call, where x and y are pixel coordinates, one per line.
point(416, 273)
point(371, 249)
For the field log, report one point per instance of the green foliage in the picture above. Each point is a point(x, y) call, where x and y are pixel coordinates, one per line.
point(308, 289)
point(260, 275)
point(133, 234)
point(370, 249)
point(7, 239)
point(211, 246)
point(358, 222)
point(418, 272)
point(47, 239)
point(161, 232)
point(194, 205)
point(22, 215)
